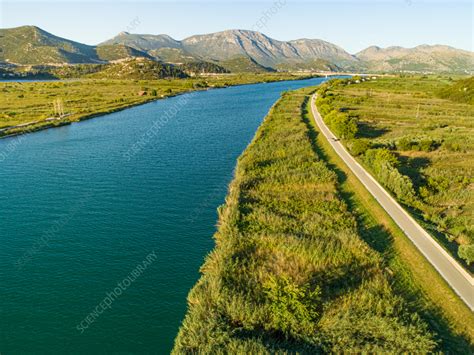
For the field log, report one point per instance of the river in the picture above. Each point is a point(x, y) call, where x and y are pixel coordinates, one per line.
point(129, 198)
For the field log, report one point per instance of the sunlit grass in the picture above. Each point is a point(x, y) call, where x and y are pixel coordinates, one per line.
point(399, 113)
point(290, 271)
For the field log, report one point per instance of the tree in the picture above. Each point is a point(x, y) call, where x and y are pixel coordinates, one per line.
point(341, 124)
point(359, 146)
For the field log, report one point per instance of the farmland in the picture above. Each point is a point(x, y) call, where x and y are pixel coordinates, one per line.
point(416, 135)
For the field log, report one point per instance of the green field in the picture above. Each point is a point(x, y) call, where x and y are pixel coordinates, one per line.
point(23, 102)
point(298, 265)
point(416, 135)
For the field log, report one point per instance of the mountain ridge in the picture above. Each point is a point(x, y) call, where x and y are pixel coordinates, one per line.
point(423, 57)
point(30, 45)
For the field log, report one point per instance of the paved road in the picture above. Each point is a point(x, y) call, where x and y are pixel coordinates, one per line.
point(458, 278)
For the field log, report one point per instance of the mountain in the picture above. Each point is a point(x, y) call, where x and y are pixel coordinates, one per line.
point(301, 54)
point(143, 42)
point(264, 50)
point(423, 58)
point(234, 50)
point(231, 44)
point(252, 49)
point(32, 45)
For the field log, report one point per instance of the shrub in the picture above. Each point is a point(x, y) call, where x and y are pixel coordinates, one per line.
point(201, 84)
point(358, 146)
point(404, 144)
point(452, 146)
point(324, 109)
point(384, 164)
point(466, 252)
point(341, 124)
point(427, 145)
point(293, 308)
point(438, 183)
point(323, 100)
point(374, 157)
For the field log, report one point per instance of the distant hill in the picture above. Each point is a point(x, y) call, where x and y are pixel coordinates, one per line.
point(202, 68)
point(173, 55)
point(118, 52)
point(244, 64)
point(234, 50)
point(310, 65)
point(422, 58)
point(32, 45)
point(143, 42)
point(139, 69)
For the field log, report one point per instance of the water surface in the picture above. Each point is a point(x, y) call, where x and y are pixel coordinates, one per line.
point(79, 212)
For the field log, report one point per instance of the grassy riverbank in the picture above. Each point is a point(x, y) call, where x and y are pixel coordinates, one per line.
point(25, 102)
point(418, 130)
point(292, 270)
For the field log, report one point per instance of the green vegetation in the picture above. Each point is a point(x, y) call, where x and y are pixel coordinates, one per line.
point(293, 269)
point(412, 275)
point(420, 147)
point(13, 72)
point(310, 65)
point(24, 102)
point(173, 55)
point(130, 68)
point(75, 71)
point(138, 69)
point(32, 45)
point(202, 68)
point(118, 51)
point(244, 64)
point(461, 91)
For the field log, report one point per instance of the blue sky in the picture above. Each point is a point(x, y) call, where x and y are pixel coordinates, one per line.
point(354, 25)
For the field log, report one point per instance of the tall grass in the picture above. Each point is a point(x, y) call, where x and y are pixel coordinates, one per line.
point(289, 272)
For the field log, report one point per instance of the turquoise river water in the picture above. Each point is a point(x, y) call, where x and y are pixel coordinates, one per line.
point(129, 198)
